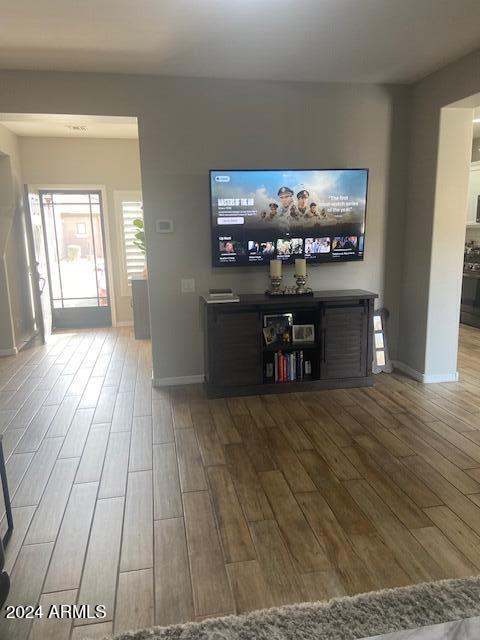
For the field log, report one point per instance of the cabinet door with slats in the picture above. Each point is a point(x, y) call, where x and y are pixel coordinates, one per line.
point(344, 342)
point(236, 357)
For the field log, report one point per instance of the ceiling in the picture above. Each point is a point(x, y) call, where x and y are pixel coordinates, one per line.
point(310, 40)
point(69, 126)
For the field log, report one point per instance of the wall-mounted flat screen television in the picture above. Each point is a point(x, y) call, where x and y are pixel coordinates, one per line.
point(314, 214)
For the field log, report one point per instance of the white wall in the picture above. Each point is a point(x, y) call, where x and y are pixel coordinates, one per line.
point(248, 125)
point(16, 318)
point(446, 268)
point(188, 126)
point(112, 163)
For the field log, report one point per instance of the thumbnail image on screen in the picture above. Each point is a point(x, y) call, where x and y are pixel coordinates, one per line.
point(287, 247)
point(230, 250)
point(260, 215)
point(260, 251)
point(317, 245)
point(344, 245)
point(261, 248)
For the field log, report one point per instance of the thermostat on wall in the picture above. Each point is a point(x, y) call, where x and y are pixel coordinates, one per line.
point(164, 226)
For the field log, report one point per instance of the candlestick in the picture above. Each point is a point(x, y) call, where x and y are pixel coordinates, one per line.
point(275, 278)
point(300, 267)
point(301, 275)
point(275, 268)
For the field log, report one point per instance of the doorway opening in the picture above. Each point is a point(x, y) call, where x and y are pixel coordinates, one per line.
point(470, 305)
point(81, 174)
point(469, 334)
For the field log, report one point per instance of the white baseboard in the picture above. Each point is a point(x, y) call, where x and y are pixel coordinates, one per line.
point(9, 352)
point(424, 377)
point(124, 323)
point(442, 377)
point(171, 382)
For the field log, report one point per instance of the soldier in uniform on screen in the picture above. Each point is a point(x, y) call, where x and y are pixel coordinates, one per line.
point(273, 209)
point(273, 206)
point(287, 207)
point(312, 211)
point(302, 197)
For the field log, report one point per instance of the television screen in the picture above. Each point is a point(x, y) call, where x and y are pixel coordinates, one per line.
point(260, 215)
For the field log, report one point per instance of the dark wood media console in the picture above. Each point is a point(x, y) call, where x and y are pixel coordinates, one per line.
point(237, 357)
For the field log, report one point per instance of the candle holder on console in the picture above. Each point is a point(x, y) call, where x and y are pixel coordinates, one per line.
point(275, 283)
point(275, 278)
point(301, 278)
point(301, 281)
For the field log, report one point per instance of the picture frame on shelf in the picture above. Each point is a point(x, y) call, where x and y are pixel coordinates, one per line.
point(269, 335)
point(278, 325)
point(304, 333)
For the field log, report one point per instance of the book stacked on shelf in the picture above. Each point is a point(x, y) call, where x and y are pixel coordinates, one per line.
point(290, 367)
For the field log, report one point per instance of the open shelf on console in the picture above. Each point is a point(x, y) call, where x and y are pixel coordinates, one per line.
point(283, 366)
point(291, 346)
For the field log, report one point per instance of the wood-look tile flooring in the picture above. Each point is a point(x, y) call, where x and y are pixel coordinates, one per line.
point(165, 506)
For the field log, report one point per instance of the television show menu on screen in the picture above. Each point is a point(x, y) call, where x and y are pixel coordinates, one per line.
point(260, 215)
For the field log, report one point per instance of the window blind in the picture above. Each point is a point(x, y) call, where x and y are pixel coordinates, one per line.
point(134, 257)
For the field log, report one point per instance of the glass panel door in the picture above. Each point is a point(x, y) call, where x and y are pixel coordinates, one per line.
point(75, 242)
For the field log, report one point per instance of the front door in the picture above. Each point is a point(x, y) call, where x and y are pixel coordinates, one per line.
point(76, 258)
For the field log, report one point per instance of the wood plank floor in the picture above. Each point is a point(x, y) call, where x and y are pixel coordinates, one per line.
point(165, 506)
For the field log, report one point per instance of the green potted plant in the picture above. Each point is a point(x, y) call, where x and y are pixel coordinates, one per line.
point(140, 239)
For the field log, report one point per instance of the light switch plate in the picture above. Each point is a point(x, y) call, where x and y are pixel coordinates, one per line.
point(188, 285)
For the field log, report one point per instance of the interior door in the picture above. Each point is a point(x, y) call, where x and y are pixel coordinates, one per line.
point(39, 267)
